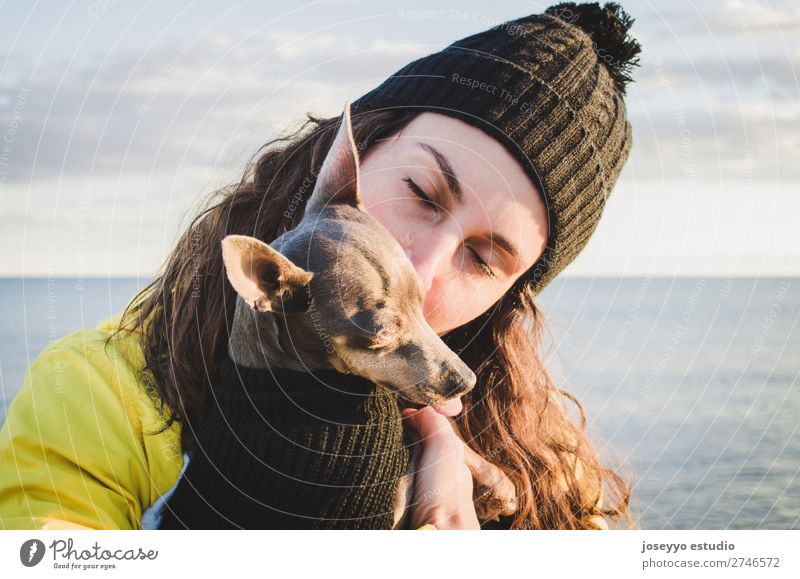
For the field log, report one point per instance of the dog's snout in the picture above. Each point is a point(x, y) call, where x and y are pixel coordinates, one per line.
point(459, 381)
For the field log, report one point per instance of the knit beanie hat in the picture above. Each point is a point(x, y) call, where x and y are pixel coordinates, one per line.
point(550, 88)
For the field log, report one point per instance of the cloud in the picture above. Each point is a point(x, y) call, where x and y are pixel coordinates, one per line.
point(181, 107)
point(196, 104)
point(751, 16)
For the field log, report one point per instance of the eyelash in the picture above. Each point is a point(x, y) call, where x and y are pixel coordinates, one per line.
point(422, 196)
point(417, 190)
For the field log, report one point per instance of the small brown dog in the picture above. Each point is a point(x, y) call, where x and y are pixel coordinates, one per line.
point(355, 306)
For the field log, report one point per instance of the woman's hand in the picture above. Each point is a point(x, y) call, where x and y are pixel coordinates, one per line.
point(443, 483)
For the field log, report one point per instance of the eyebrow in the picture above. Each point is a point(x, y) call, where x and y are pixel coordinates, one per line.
point(454, 186)
point(447, 171)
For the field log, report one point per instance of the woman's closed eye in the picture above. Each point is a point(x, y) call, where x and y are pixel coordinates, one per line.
point(484, 267)
point(429, 203)
point(421, 195)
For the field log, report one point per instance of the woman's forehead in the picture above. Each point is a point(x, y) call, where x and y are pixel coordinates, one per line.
point(477, 157)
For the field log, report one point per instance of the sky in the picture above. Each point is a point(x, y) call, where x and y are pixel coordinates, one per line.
point(117, 117)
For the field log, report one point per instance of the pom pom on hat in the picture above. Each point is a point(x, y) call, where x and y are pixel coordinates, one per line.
point(608, 28)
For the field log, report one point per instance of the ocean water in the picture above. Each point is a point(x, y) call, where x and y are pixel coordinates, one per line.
point(689, 384)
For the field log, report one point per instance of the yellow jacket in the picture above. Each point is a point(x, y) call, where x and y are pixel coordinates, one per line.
point(78, 448)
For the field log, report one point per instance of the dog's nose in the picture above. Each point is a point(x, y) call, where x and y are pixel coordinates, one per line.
point(459, 382)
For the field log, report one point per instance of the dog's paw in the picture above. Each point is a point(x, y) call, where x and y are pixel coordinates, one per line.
point(490, 502)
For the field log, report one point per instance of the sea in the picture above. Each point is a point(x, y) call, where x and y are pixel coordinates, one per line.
point(689, 384)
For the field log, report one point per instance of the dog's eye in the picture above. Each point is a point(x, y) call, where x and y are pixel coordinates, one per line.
point(374, 330)
point(383, 338)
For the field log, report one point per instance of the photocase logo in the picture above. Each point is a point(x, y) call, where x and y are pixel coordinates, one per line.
point(31, 552)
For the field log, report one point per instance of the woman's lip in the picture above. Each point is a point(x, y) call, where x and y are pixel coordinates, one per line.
point(452, 408)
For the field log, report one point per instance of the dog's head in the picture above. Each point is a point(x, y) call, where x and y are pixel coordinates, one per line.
point(345, 291)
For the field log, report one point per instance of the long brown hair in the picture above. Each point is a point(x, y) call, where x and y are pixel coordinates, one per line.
point(515, 417)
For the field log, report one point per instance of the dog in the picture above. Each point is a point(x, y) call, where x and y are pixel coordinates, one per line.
point(359, 284)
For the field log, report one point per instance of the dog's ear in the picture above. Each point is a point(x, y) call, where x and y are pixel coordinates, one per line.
point(266, 279)
point(337, 182)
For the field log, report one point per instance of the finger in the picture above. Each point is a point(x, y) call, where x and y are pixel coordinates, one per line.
point(425, 421)
point(433, 429)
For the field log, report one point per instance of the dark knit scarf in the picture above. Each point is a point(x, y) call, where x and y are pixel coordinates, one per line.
point(289, 450)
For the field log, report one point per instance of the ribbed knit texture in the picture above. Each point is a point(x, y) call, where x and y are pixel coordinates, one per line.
point(548, 99)
point(289, 450)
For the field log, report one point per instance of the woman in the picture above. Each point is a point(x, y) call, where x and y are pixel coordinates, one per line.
point(490, 162)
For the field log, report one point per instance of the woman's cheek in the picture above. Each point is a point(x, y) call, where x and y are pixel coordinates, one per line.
point(386, 205)
point(443, 307)
point(459, 303)
point(382, 211)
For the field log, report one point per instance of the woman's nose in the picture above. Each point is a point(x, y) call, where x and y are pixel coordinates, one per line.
point(429, 257)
